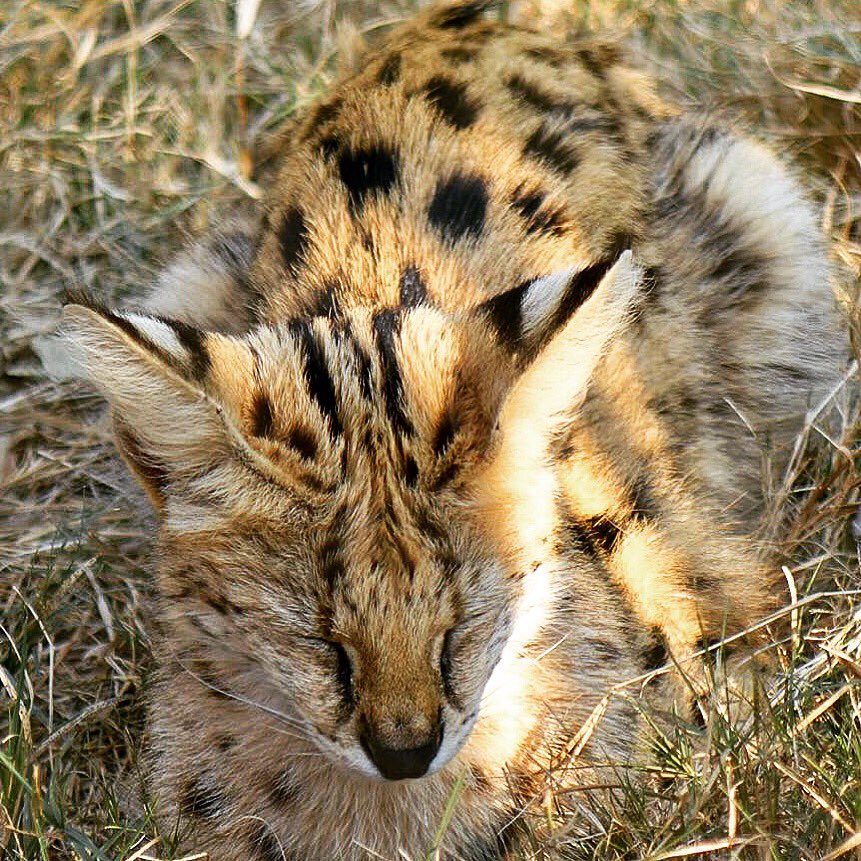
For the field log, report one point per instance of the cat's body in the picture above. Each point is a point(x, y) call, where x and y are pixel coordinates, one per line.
point(477, 467)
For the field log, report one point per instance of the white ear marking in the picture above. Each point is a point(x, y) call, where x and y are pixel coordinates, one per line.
point(542, 297)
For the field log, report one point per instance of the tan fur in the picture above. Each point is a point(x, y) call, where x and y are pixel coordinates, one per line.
point(477, 435)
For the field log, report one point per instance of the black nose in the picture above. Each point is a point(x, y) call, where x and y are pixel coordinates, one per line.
point(396, 763)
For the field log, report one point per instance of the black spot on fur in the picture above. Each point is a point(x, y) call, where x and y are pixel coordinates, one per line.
point(604, 650)
point(201, 799)
point(598, 59)
point(452, 101)
point(530, 94)
point(390, 71)
point(594, 536)
point(227, 742)
point(655, 655)
point(261, 417)
point(317, 378)
point(303, 441)
point(445, 434)
point(538, 219)
point(550, 147)
point(459, 15)
point(505, 314)
point(459, 207)
point(604, 533)
point(364, 172)
point(329, 146)
point(283, 791)
point(411, 471)
point(386, 326)
point(459, 54)
point(322, 115)
point(293, 238)
point(550, 56)
point(445, 476)
point(412, 289)
point(325, 302)
point(265, 846)
point(644, 505)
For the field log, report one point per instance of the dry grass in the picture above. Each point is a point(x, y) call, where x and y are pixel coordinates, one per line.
point(127, 124)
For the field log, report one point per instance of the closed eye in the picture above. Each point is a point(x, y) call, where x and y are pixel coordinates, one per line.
point(446, 666)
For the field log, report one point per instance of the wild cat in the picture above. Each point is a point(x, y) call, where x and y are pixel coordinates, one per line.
point(468, 432)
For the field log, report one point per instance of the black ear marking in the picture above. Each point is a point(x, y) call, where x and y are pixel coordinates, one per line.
point(528, 315)
point(504, 313)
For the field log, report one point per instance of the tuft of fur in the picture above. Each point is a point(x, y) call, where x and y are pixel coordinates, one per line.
point(469, 433)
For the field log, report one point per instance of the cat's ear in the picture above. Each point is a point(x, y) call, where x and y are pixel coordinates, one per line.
point(170, 430)
point(559, 326)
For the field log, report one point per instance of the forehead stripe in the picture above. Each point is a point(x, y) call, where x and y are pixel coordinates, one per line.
point(386, 325)
point(317, 377)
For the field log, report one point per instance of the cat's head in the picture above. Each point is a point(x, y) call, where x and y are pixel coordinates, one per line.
point(357, 511)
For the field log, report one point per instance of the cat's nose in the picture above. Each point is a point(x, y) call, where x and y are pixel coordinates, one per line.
point(397, 763)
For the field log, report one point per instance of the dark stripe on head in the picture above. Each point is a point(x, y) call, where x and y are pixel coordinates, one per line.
point(412, 289)
point(452, 101)
point(372, 171)
point(390, 71)
point(202, 800)
point(386, 326)
point(293, 238)
point(529, 205)
point(458, 15)
point(459, 207)
point(317, 378)
point(505, 314)
point(550, 147)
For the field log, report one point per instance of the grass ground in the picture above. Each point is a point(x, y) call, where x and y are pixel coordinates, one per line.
point(126, 124)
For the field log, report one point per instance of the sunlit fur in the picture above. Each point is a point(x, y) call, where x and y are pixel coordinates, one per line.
point(470, 432)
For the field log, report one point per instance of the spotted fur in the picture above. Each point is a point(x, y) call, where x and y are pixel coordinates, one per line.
point(465, 433)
